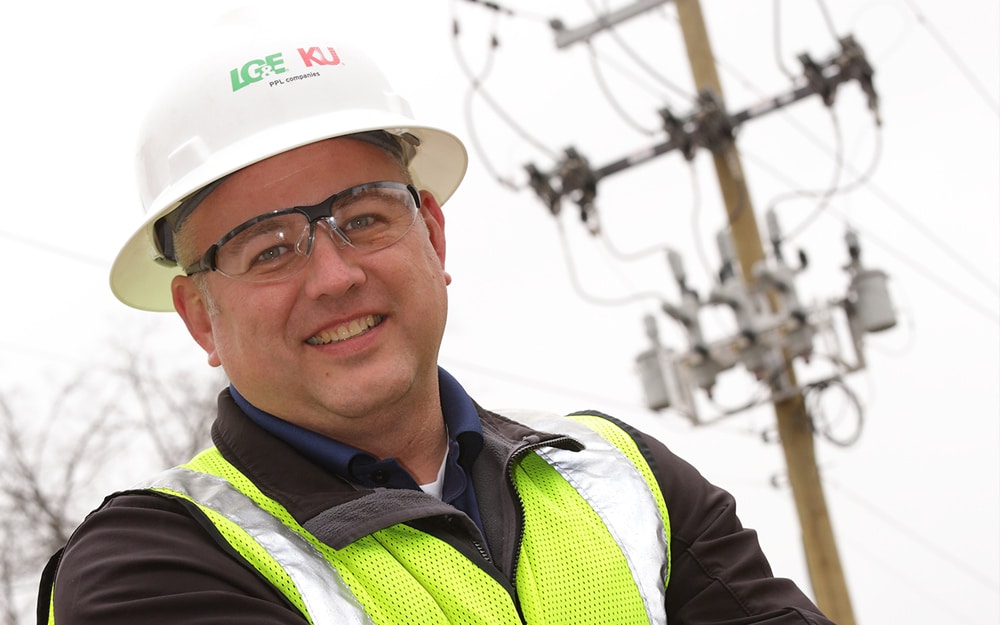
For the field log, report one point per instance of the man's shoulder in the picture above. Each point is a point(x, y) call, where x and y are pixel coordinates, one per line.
point(140, 547)
point(135, 522)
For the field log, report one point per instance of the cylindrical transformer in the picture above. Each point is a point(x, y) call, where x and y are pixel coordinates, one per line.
point(873, 306)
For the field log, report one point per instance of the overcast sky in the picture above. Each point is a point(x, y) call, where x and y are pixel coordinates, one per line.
point(915, 502)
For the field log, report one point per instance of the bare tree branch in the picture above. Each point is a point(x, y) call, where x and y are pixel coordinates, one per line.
point(100, 432)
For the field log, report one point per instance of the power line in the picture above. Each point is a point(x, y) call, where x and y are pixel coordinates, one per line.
point(835, 189)
point(478, 89)
point(890, 203)
point(827, 19)
point(824, 196)
point(776, 33)
point(631, 76)
point(920, 269)
point(930, 276)
point(914, 536)
point(903, 214)
point(904, 576)
point(955, 58)
point(505, 10)
point(57, 250)
point(776, 40)
point(546, 387)
point(609, 95)
point(933, 238)
point(582, 292)
point(641, 62)
point(474, 84)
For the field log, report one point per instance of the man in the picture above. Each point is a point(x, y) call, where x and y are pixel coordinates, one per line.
point(294, 223)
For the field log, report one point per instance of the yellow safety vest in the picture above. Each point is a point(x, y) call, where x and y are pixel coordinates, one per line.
point(595, 546)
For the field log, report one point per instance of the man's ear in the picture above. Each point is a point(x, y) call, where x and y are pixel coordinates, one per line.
point(190, 303)
point(434, 218)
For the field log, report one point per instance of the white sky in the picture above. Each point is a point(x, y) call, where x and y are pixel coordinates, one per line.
point(915, 503)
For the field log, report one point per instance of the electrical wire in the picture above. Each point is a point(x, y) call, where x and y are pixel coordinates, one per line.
point(629, 74)
point(616, 105)
point(972, 270)
point(618, 254)
point(895, 207)
point(901, 574)
point(860, 181)
point(807, 133)
point(823, 196)
point(864, 178)
point(470, 124)
point(914, 536)
point(696, 235)
point(926, 273)
point(504, 10)
point(828, 19)
point(476, 88)
point(583, 394)
point(663, 248)
point(920, 269)
point(759, 395)
point(776, 33)
point(818, 417)
point(582, 292)
point(898, 209)
point(776, 40)
point(631, 256)
point(640, 62)
point(954, 57)
point(55, 249)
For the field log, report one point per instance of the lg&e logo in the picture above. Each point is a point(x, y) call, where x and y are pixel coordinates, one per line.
point(256, 70)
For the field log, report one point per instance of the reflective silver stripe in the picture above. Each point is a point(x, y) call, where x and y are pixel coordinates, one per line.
point(620, 495)
point(327, 598)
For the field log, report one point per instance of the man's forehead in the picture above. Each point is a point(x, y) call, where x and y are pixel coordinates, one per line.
point(397, 148)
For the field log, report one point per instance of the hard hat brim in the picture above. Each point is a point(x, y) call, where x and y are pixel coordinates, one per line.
point(140, 278)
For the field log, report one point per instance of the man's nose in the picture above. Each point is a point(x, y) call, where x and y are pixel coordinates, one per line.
point(331, 269)
point(340, 239)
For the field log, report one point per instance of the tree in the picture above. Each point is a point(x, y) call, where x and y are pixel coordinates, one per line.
point(102, 431)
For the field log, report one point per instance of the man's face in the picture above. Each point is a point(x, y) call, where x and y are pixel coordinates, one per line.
point(273, 339)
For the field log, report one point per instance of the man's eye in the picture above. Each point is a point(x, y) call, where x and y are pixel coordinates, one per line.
point(271, 254)
point(360, 222)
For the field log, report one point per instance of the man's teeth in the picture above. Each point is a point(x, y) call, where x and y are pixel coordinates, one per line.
point(346, 331)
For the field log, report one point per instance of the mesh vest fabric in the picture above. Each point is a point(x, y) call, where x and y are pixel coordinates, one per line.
point(573, 566)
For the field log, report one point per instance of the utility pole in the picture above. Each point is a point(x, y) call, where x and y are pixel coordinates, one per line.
point(794, 428)
point(770, 336)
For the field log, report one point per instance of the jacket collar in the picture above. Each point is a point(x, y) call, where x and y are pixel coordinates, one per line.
point(306, 490)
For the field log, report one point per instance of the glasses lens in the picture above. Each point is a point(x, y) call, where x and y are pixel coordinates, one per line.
point(268, 249)
point(373, 218)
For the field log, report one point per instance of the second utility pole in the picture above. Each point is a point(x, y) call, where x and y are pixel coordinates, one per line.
point(822, 558)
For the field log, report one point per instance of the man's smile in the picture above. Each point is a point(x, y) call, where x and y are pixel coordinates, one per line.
point(346, 331)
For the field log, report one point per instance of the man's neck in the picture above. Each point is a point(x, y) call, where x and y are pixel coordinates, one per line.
point(416, 437)
point(412, 431)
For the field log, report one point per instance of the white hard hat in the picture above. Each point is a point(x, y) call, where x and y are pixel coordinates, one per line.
point(255, 92)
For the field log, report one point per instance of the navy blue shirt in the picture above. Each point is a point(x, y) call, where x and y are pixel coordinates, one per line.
point(465, 441)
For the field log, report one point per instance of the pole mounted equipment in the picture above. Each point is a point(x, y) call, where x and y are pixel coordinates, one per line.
point(774, 328)
point(708, 126)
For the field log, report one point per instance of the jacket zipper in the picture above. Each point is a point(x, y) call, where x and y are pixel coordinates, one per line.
point(482, 551)
point(514, 457)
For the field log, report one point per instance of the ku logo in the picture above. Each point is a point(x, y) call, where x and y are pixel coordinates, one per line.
point(319, 56)
point(257, 70)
